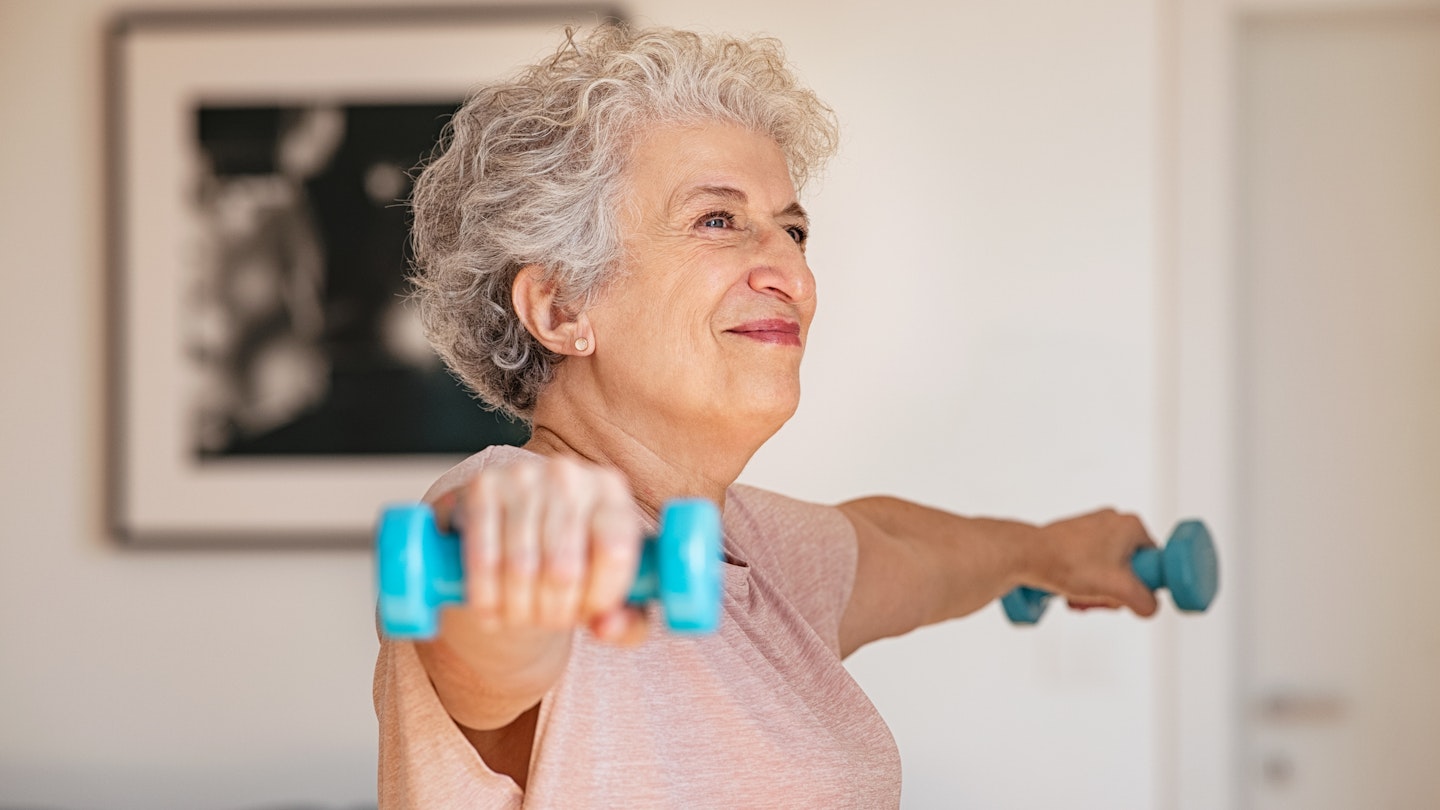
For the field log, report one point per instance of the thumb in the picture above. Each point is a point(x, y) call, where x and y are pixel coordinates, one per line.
point(1137, 597)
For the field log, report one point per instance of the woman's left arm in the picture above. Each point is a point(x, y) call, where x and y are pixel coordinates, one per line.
point(919, 565)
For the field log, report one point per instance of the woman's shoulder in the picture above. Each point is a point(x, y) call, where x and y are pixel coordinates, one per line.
point(806, 550)
point(465, 470)
point(770, 507)
point(767, 523)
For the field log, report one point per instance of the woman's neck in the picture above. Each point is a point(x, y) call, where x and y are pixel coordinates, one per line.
point(659, 468)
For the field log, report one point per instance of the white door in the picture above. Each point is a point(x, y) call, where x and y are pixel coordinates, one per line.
point(1339, 162)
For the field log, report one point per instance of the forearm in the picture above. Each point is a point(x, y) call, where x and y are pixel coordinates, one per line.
point(919, 565)
point(954, 565)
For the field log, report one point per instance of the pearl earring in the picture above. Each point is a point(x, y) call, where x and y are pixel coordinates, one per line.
point(581, 344)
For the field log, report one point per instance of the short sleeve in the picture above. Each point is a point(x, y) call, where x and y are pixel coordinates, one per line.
point(808, 550)
point(424, 759)
point(494, 455)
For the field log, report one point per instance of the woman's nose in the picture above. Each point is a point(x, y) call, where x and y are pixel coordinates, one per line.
point(780, 268)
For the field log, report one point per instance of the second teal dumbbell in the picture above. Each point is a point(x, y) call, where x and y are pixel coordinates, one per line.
point(1187, 566)
point(419, 569)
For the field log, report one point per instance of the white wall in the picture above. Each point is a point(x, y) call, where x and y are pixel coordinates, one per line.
point(987, 341)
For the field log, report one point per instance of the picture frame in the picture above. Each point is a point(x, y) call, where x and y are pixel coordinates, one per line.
point(268, 385)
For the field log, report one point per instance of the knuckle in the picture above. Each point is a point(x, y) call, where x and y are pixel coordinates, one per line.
point(612, 589)
point(488, 613)
point(484, 602)
point(614, 545)
point(564, 570)
point(1134, 525)
point(475, 486)
point(518, 600)
point(484, 489)
point(521, 561)
point(558, 604)
point(482, 554)
point(485, 556)
point(613, 483)
point(522, 475)
point(560, 517)
point(586, 486)
point(562, 473)
point(600, 600)
point(520, 500)
point(609, 563)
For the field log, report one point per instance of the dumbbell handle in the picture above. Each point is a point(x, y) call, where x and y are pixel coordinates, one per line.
point(420, 570)
point(1187, 566)
point(1148, 567)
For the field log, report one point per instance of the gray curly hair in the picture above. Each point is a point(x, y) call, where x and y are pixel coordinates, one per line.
point(530, 173)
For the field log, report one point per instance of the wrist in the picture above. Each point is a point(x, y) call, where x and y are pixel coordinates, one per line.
point(1030, 560)
point(502, 653)
point(486, 680)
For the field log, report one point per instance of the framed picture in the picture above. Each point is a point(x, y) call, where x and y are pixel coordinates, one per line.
point(269, 381)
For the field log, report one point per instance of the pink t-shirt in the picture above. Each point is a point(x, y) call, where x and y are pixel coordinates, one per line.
point(760, 714)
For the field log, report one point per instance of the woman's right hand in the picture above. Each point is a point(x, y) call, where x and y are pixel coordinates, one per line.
point(547, 544)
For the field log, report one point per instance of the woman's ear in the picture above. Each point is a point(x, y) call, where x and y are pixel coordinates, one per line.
point(557, 330)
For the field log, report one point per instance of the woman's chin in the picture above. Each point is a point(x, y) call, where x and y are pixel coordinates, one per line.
point(773, 404)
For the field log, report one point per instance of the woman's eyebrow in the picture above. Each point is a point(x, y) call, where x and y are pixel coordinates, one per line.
point(728, 193)
point(733, 194)
point(797, 210)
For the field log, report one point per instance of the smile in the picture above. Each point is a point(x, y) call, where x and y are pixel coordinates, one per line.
point(776, 331)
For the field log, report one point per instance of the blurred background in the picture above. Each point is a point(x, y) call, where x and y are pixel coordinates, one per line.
point(1177, 256)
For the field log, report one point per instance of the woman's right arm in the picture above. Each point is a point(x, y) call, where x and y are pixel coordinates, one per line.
point(548, 545)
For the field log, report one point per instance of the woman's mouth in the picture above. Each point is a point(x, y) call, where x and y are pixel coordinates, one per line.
point(771, 330)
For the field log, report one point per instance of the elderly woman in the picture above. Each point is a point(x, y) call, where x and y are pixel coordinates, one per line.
point(612, 248)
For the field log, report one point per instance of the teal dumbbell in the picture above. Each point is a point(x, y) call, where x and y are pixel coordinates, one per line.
point(1187, 566)
point(419, 569)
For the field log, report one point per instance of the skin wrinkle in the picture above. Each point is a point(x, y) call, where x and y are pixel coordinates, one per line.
point(634, 390)
point(552, 194)
point(672, 399)
point(739, 197)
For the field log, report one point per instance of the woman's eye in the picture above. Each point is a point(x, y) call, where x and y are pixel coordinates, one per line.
point(798, 233)
point(718, 219)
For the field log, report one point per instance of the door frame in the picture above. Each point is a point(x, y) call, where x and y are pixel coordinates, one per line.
point(1205, 759)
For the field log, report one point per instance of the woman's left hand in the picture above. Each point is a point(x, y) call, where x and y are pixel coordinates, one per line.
point(1086, 559)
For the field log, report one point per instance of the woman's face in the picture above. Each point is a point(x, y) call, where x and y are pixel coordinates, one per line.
point(706, 325)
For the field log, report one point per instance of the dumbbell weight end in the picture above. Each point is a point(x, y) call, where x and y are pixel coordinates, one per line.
point(685, 560)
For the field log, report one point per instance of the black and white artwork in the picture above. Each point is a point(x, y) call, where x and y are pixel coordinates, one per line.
point(269, 382)
point(299, 327)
